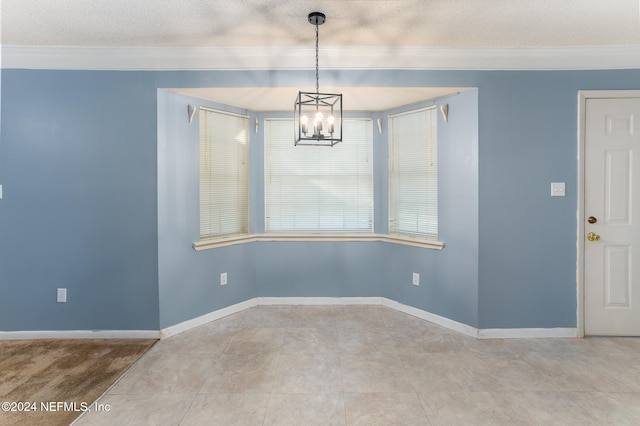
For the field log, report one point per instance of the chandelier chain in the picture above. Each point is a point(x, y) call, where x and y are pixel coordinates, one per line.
point(317, 78)
point(317, 117)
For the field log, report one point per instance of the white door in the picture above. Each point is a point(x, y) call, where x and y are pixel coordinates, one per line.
point(612, 217)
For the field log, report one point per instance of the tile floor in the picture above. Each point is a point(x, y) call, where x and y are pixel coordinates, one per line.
point(371, 365)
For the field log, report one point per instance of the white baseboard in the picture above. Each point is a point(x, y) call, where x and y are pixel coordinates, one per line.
point(488, 333)
point(428, 316)
point(79, 334)
point(265, 301)
point(527, 333)
point(211, 316)
point(319, 300)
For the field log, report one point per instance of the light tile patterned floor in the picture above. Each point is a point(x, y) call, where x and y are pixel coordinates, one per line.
point(371, 365)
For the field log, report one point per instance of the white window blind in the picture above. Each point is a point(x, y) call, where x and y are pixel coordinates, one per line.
point(319, 189)
point(413, 174)
point(224, 174)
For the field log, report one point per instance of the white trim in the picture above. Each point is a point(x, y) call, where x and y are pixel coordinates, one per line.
point(79, 334)
point(506, 333)
point(498, 333)
point(479, 333)
point(320, 301)
point(223, 242)
point(583, 95)
point(203, 319)
point(289, 57)
point(527, 333)
point(217, 243)
point(582, 103)
point(428, 316)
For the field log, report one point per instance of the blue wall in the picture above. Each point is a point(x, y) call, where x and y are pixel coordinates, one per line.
point(78, 169)
point(189, 281)
point(528, 139)
point(189, 288)
point(448, 278)
point(87, 205)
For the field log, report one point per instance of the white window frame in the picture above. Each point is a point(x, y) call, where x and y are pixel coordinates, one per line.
point(223, 179)
point(413, 189)
point(306, 193)
point(247, 237)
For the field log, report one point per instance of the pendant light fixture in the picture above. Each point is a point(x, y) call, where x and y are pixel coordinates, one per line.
point(317, 116)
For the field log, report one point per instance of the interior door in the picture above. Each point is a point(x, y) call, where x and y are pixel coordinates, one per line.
point(612, 214)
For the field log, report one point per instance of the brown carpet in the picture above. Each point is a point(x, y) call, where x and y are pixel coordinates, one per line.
point(46, 374)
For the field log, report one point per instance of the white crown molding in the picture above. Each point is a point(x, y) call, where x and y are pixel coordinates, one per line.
point(254, 58)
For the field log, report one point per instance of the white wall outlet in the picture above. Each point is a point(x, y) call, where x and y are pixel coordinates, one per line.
point(223, 278)
point(416, 278)
point(557, 189)
point(62, 295)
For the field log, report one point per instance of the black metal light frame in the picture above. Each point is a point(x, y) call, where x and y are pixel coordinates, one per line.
point(308, 105)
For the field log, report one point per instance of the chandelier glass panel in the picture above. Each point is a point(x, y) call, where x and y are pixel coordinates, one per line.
point(317, 116)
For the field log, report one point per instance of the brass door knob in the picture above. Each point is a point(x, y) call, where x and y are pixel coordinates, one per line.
point(592, 219)
point(593, 237)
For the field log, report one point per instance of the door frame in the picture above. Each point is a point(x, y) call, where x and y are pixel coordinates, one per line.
point(583, 95)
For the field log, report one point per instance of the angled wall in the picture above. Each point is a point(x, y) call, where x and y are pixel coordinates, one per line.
point(189, 281)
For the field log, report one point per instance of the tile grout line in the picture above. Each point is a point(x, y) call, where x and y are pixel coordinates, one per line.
point(186, 412)
point(266, 411)
point(344, 400)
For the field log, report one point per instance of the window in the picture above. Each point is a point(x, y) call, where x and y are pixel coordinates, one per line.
point(224, 174)
point(413, 174)
point(319, 189)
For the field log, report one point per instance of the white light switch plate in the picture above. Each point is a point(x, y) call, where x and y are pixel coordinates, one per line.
point(557, 189)
point(62, 295)
point(0, 192)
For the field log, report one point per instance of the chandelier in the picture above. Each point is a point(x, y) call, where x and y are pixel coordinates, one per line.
point(317, 116)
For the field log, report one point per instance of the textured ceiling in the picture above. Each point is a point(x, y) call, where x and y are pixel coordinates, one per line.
point(243, 23)
point(356, 98)
point(281, 26)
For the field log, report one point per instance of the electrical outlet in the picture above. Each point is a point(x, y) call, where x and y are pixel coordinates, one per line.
point(557, 189)
point(223, 278)
point(416, 278)
point(62, 295)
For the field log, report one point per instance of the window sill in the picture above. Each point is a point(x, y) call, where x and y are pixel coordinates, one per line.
point(217, 243)
point(415, 242)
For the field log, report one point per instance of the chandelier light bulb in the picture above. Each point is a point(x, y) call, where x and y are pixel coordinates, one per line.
point(330, 121)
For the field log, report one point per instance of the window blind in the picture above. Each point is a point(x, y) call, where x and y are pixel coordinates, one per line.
point(319, 189)
point(224, 174)
point(413, 174)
